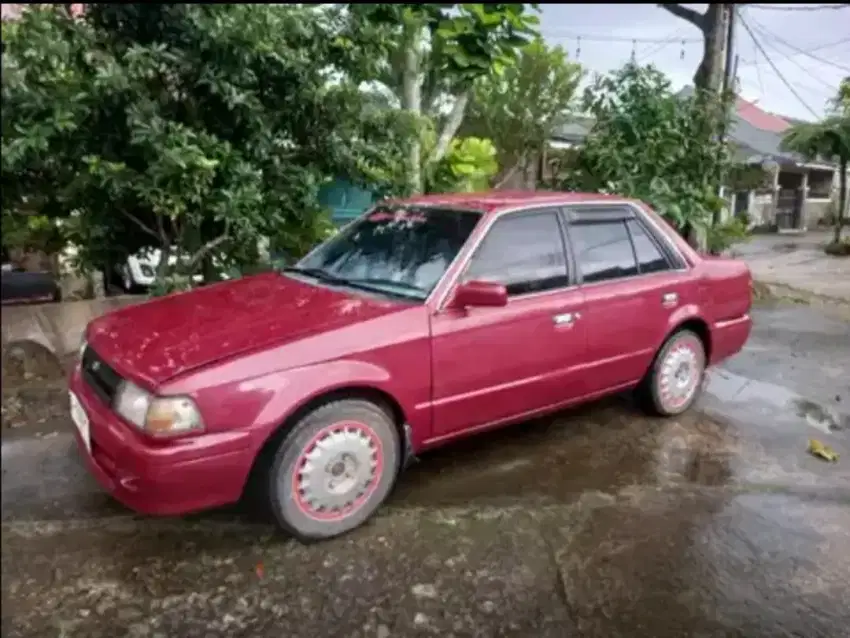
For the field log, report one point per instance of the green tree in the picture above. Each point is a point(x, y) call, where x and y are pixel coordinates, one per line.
point(653, 145)
point(435, 52)
point(520, 108)
point(827, 139)
point(841, 103)
point(197, 127)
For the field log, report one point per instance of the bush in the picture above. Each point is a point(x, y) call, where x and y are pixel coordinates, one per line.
point(722, 236)
point(838, 248)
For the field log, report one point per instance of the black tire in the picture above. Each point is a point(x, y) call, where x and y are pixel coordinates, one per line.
point(371, 433)
point(651, 393)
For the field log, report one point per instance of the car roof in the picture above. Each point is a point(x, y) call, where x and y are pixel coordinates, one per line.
point(498, 201)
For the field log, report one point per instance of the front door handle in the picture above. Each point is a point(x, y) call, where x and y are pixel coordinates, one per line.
point(669, 299)
point(566, 319)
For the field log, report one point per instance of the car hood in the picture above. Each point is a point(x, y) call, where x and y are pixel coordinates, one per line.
point(158, 340)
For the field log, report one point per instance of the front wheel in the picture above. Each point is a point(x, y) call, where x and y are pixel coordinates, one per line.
point(675, 379)
point(334, 469)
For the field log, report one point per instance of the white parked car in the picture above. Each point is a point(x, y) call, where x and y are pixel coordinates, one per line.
point(139, 271)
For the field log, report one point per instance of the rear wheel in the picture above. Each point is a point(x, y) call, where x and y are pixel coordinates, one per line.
point(334, 469)
point(675, 379)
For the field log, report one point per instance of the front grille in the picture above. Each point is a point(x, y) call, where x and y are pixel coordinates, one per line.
point(100, 376)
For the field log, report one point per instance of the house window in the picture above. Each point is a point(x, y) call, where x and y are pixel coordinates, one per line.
point(820, 184)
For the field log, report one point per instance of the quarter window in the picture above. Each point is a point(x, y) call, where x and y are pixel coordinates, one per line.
point(525, 252)
point(603, 250)
point(649, 257)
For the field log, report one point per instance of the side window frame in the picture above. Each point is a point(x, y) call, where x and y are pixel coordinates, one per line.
point(556, 212)
point(654, 242)
point(674, 260)
point(623, 212)
point(590, 214)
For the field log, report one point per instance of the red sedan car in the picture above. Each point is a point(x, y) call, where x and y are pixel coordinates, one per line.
point(423, 321)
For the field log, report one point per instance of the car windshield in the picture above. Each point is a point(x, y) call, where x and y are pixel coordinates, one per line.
point(397, 250)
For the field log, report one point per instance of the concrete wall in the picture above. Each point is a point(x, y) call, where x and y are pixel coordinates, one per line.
point(58, 327)
point(815, 211)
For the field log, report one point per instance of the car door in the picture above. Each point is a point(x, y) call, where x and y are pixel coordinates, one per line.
point(496, 364)
point(632, 282)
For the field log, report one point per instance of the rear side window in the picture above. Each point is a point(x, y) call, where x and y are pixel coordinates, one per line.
point(525, 252)
point(603, 250)
point(649, 256)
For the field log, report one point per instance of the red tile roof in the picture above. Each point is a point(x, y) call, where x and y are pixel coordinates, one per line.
point(759, 118)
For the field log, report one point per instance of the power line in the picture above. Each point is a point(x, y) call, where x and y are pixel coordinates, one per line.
point(828, 45)
point(816, 7)
point(806, 53)
point(762, 31)
point(773, 66)
point(612, 38)
point(674, 38)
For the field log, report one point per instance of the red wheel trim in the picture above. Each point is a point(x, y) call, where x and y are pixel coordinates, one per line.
point(328, 517)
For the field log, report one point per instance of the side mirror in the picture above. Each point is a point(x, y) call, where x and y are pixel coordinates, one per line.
point(480, 293)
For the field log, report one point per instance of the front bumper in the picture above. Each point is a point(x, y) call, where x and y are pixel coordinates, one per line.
point(161, 477)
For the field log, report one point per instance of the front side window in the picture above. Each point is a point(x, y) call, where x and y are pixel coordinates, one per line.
point(603, 250)
point(525, 252)
point(398, 250)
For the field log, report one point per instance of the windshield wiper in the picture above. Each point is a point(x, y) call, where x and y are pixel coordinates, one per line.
point(377, 281)
point(318, 273)
point(371, 285)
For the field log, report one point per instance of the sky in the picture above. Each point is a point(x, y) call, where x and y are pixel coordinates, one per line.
point(607, 32)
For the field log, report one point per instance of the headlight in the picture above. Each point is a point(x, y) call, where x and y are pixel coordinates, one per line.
point(158, 416)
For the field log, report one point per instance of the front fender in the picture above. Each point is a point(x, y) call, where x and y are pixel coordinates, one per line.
point(298, 387)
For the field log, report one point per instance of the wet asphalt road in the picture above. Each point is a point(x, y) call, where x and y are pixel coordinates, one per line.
point(599, 522)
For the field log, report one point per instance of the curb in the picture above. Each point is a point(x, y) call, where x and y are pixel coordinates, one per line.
point(836, 306)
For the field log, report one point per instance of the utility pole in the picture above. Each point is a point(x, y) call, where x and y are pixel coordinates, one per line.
point(730, 66)
point(725, 52)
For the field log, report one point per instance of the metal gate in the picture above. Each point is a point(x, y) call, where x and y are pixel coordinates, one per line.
point(789, 208)
point(742, 204)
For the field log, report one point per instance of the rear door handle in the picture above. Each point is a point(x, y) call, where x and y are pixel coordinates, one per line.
point(566, 319)
point(669, 299)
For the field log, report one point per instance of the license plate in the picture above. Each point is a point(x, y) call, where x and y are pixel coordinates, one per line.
point(81, 420)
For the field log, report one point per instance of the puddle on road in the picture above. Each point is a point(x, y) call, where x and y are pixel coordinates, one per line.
point(605, 447)
point(794, 409)
point(819, 417)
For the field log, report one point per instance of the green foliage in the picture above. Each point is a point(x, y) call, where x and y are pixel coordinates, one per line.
point(520, 108)
point(744, 177)
point(722, 236)
point(205, 127)
point(464, 41)
point(434, 54)
point(562, 163)
point(841, 103)
point(829, 139)
point(32, 233)
point(468, 167)
point(652, 145)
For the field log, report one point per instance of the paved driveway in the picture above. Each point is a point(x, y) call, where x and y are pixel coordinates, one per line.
point(798, 261)
point(599, 522)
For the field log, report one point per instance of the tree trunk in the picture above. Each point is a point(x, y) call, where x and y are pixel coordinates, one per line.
point(450, 128)
point(411, 100)
point(709, 73)
point(163, 265)
point(842, 199)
